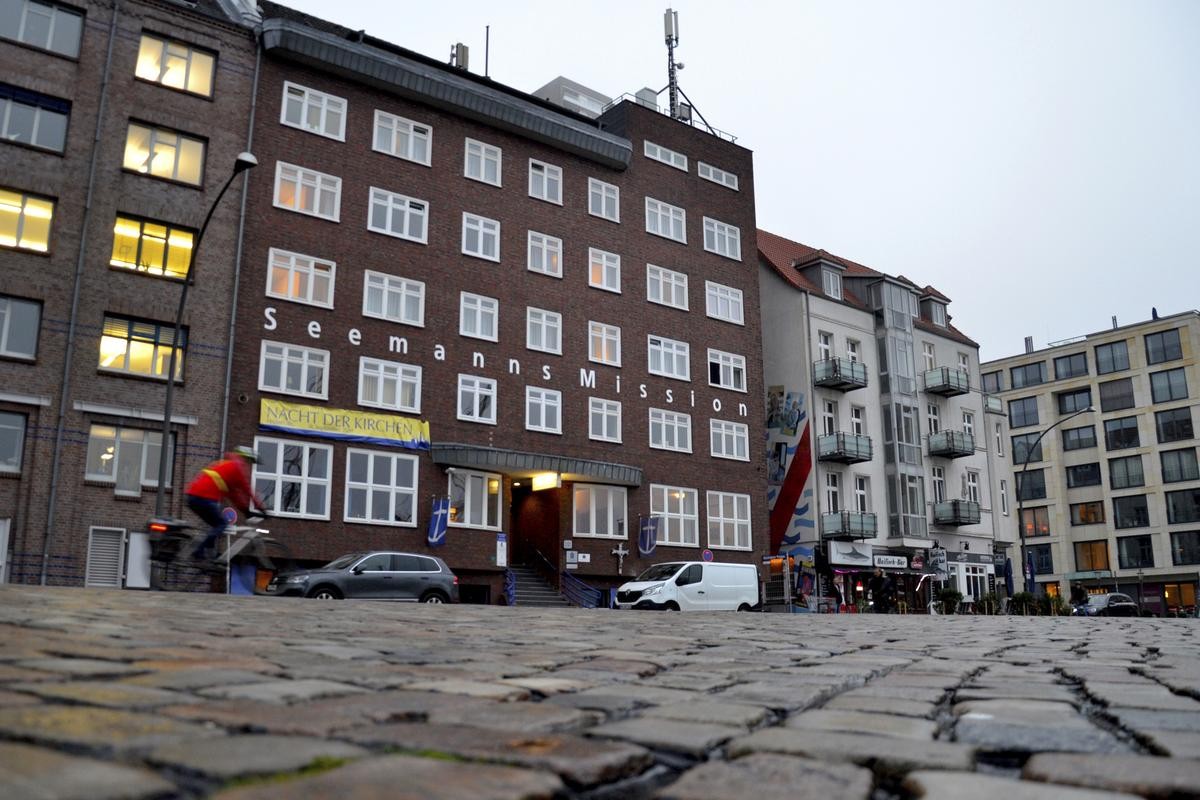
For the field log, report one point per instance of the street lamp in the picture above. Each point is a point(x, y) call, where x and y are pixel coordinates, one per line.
point(1020, 495)
point(243, 162)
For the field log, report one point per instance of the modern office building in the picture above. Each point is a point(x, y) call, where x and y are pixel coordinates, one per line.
point(1110, 497)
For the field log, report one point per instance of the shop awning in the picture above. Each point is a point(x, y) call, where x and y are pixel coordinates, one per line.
point(517, 463)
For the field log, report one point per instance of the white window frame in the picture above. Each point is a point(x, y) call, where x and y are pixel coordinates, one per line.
point(169, 137)
point(1004, 497)
point(718, 294)
point(309, 358)
point(606, 411)
point(968, 419)
point(670, 430)
point(831, 282)
point(600, 196)
point(604, 334)
point(370, 488)
point(324, 102)
point(543, 403)
point(147, 473)
point(666, 220)
point(833, 492)
point(656, 152)
point(40, 116)
point(544, 254)
point(318, 182)
point(728, 521)
point(478, 387)
point(853, 351)
point(402, 213)
point(385, 372)
point(824, 346)
point(478, 309)
point(278, 478)
point(938, 484)
point(678, 528)
point(933, 417)
point(388, 285)
point(937, 314)
point(301, 268)
point(666, 287)
point(862, 494)
point(829, 409)
point(973, 493)
point(929, 353)
point(486, 230)
point(544, 323)
point(730, 364)
point(671, 354)
point(482, 479)
point(402, 129)
point(551, 179)
point(858, 420)
point(616, 519)
point(730, 440)
point(710, 173)
point(484, 154)
point(609, 267)
point(158, 335)
point(723, 239)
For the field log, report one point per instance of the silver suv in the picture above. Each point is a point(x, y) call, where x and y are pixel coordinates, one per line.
point(376, 575)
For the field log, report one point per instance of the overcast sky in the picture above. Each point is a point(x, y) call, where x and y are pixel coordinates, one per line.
point(1038, 161)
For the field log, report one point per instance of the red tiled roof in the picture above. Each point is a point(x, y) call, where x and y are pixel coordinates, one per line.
point(929, 291)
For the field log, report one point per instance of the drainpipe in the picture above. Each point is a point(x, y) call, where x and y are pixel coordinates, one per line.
point(64, 397)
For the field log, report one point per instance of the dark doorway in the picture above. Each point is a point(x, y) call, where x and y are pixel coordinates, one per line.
point(533, 527)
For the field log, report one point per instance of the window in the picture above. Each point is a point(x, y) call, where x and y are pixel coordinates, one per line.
point(670, 431)
point(711, 173)
point(723, 302)
point(993, 382)
point(543, 410)
point(1185, 548)
point(393, 298)
point(33, 119)
point(42, 25)
point(858, 424)
point(307, 192)
point(828, 417)
point(1116, 395)
point(1132, 512)
point(545, 254)
point(138, 347)
point(668, 157)
point(477, 399)
point(663, 219)
point(125, 457)
point(729, 440)
point(666, 287)
point(604, 343)
point(19, 323)
point(723, 239)
point(1183, 506)
point(604, 270)
point(604, 200)
point(1172, 426)
point(1091, 513)
point(389, 384)
point(25, 221)
point(1162, 347)
point(1112, 358)
point(933, 417)
point(1028, 375)
point(481, 237)
point(968, 421)
point(1180, 465)
point(1121, 433)
point(545, 182)
point(831, 282)
point(1000, 440)
point(1036, 521)
point(475, 499)
point(543, 330)
point(313, 111)
point(852, 351)
point(12, 441)
point(727, 370)
point(824, 345)
point(973, 486)
point(292, 478)
point(1031, 485)
point(1079, 438)
point(833, 492)
point(299, 278)
point(1083, 475)
point(1070, 402)
point(397, 215)
point(292, 369)
point(482, 162)
point(938, 482)
point(402, 138)
point(604, 420)
point(1071, 366)
point(381, 488)
point(1168, 385)
point(175, 65)
point(164, 153)
point(676, 507)
point(930, 356)
point(669, 358)
point(938, 314)
point(478, 316)
point(600, 511)
point(1125, 473)
point(1091, 556)
point(728, 521)
point(151, 247)
point(1043, 562)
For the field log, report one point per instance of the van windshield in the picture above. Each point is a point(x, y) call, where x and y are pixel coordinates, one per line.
point(659, 572)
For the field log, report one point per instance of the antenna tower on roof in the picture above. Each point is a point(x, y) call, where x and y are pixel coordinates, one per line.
point(671, 33)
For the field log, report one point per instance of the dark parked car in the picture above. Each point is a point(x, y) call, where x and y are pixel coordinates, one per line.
point(1110, 605)
point(377, 575)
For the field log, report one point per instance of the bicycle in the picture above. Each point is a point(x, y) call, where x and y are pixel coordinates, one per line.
point(172, 541)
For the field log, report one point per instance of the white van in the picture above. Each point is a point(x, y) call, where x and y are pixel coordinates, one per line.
point(693, 586)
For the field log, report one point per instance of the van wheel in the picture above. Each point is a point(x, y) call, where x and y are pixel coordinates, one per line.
point(672, 606)
point(745, 607)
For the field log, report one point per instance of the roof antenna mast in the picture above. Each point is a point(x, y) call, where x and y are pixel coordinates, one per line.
point(671, 33)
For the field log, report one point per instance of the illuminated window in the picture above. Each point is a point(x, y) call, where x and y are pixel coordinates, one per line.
point(42, 25)
point(545, 254)
point(25, 221)
point(604, 270)
point(175, 65)
point(604, 343)
point(151, 247)
point(33, 119)
point(313, 111)
point(126, 457)
point(300, 278)
point(677, 508)
point(306, 191)
point(475, 499)
point(164, 153)
point(140, 348)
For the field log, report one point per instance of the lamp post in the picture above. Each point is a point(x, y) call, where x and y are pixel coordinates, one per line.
point(243, 162)
point(1020, 495)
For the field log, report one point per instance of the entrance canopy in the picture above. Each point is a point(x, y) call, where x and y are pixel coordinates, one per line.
point(519, 464)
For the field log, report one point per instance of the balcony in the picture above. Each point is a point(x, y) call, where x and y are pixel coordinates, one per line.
point(947, 381)
point(840, 373)
point(992, 404)
point(907, 529)
point(951, 444)
point(845, 448)
point(956, 512)
point(848, 525)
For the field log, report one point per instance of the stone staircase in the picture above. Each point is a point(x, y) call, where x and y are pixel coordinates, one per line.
point(532, 590)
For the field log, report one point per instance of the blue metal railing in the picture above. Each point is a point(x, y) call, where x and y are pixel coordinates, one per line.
point(580, 593)
point(510, 587)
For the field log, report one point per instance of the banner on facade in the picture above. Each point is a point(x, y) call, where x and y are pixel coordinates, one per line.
point(439, 519)
point(937, 563)
point(891, 562)
point(366, 427)
point(850, 554)
point(647, 535)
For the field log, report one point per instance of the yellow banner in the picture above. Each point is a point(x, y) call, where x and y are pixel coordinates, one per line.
point(347, 424)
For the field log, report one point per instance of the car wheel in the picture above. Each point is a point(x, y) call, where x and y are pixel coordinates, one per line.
point(433, 597)
point(672, 606)
point(325, 593)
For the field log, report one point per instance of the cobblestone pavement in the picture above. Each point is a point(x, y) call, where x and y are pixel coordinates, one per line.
point(109, 694)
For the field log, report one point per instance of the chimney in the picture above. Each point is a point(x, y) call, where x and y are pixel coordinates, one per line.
point(1028, 344)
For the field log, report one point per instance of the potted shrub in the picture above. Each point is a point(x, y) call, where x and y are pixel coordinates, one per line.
point(988, 604)
point(950, 599)
point(1023, 603)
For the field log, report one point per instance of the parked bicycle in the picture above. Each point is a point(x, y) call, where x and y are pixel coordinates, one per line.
point(172, 542)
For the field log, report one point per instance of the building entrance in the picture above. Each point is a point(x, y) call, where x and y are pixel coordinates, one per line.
point(534, 527)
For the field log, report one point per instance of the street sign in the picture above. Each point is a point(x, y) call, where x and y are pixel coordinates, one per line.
point(891, 562)
point(707, 555)
point(229, 514)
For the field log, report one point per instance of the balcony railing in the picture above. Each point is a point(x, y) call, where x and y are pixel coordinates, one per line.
point(947, 381)
point(840, 373)
point(993, 404)
point(956, 512)
point(848, 525)
point(951, 444)
point(909, 525)
point(846, 448)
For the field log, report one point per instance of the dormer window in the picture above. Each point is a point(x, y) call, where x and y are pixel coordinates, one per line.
point(832, 281)
point(938, 314)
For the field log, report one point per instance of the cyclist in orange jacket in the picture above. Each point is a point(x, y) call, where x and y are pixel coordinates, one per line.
point(225, 479)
